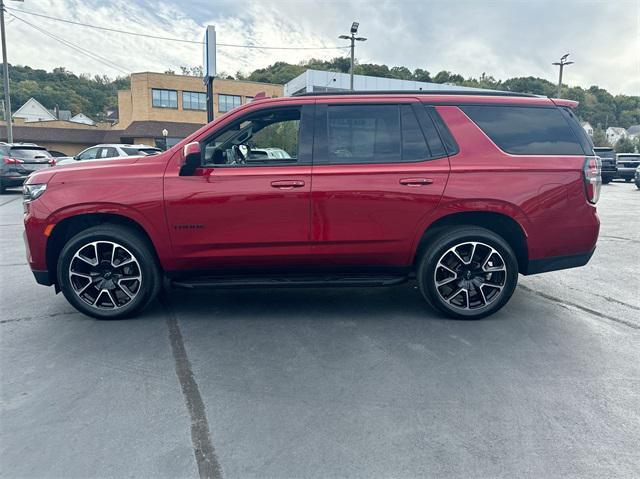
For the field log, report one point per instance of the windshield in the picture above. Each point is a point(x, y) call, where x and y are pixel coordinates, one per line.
point(30, 153)
point(606, 154)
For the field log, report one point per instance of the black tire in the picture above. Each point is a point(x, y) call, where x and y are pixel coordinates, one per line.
point(606, 181)
point(463, 237)
point(129, 242)
point(3, 189)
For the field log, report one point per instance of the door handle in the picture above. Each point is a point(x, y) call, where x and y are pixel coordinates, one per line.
point(415, 181)
point(287, 184)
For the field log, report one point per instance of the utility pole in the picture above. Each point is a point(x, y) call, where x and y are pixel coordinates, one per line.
point(5, 73)
point(563, 61)
point(353, 39)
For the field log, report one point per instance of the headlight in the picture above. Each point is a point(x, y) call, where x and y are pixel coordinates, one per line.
point(32, 192)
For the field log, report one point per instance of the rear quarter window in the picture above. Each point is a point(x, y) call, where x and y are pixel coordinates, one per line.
point(526, 130)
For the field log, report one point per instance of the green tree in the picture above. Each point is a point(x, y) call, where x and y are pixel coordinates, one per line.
point(600, 138)
point(625, 145)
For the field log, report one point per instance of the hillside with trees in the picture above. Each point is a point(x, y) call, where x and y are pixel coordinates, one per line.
point(92, 95)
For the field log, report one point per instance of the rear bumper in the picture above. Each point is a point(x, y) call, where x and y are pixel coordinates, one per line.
point(555, 263)
point(626, 173)
point(13, 180)
point(43, 277)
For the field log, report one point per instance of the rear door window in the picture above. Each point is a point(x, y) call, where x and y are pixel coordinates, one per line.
point(363, 133)
point(526, 130)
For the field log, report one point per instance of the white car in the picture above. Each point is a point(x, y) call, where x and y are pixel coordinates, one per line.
point(110, 150)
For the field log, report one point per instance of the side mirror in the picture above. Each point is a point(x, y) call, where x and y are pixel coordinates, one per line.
point(192, 158)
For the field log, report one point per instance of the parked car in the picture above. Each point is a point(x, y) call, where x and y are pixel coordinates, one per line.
point(19, 160)
point(627, 164)
point(111, 150)
point(608, 159)
point(637, 177)
point(459, 191)
point(58, 154)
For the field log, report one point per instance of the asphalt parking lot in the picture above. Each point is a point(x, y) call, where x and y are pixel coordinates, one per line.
point(328, 383)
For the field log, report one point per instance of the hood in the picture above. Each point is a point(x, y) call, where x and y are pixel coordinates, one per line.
point(93, 167)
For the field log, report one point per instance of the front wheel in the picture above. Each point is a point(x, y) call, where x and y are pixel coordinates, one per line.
point(468, 272)
point(108, 272)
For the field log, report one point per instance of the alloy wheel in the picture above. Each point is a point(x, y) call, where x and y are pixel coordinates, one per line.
point(105, 275)
point(470, 276)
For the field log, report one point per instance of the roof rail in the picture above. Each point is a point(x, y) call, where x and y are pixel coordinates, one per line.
point(418, 92)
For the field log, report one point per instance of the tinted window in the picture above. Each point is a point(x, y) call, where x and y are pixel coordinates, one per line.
point(605, 153)
point(526, 130)
point(363, 134)
point(228, 102)
point(29, 153)
point(164, 98)
point(194, 101)
point(414, 146)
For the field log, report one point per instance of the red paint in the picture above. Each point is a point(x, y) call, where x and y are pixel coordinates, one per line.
point(322, 214)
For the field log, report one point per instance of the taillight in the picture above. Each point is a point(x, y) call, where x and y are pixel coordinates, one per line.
point(592, 178)
point(11, 161)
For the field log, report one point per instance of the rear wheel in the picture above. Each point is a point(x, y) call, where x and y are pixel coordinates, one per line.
point(468, 272)
point(606, 181)
point(108, 272)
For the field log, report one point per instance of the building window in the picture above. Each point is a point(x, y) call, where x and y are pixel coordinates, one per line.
point(228, 102)
point(164, 98)
point(192, 100)
point(248, 99)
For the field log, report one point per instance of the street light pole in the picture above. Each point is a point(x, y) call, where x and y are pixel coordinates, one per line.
point(352, 37)
point(5, 74)
point(563, 61)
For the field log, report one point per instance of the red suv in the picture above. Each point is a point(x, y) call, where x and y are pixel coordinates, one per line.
point(459, 191)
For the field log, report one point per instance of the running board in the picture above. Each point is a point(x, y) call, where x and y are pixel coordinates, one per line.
point(288, 281)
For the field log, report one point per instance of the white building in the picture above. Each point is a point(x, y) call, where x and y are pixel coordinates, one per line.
point(586, 126)
point(323, 81)
point(615, 134)
point(33, 110)
point(634, 131)
point(82, 118)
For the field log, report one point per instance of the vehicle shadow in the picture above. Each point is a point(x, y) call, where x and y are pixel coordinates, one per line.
point(321, 304)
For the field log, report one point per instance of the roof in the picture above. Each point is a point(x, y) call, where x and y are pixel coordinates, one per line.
point(64, 115)
point(152, 129)
point(633, 129)
point(477, 92)
point(94, 136)
point(32, 104)
point(54, 135)
point(617, 129)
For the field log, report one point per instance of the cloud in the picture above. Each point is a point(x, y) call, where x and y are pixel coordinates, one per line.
point(501, 38)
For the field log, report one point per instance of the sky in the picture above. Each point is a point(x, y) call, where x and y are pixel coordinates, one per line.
point(501, 38)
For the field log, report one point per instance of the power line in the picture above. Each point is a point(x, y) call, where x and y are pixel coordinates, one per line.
point(92, 55)
point(171, 39)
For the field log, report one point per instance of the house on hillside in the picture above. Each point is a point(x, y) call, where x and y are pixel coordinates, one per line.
point(586, 126)
point(615, 134)
point(634, 131)
point(82, 118)
point(32, 110)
